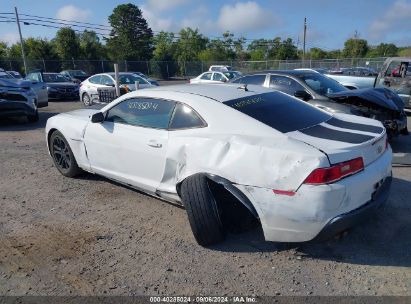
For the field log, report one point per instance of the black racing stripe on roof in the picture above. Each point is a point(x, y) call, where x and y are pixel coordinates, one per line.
point(331, 134)
point(354, 126)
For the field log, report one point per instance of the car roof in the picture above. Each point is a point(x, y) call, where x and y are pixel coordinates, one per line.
point(120, 73)
point(283, 72)
point(218, 92)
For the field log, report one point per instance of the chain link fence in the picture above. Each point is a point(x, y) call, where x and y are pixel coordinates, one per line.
point(185, 69)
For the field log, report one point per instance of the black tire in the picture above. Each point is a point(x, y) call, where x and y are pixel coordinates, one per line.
point(202, 210)
point(85, 98)
point(33, 118)
point(62, 155)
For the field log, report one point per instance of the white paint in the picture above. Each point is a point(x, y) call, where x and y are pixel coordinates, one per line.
point(254, 157)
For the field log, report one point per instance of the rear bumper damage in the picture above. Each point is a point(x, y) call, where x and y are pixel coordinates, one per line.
point(322, 210)
point(344, 221)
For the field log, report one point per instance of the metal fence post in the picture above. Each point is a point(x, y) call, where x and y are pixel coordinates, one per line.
point(168, 74)
point(125, 66)
point(102, 66)
point(148, 68)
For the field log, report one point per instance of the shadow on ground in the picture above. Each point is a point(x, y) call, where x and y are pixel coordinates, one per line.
point(21, 123)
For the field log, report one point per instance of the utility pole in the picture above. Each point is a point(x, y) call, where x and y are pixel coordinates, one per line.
point(21, 42)
point(305, 33)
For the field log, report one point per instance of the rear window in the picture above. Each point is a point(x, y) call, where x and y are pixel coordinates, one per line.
point(279, 111)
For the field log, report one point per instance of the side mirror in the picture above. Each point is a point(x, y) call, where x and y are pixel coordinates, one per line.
point(97, 117)
point(303, 95)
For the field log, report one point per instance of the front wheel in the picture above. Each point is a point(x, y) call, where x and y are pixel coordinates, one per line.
point(202, 210)
point(86, 100)
point(62, 155)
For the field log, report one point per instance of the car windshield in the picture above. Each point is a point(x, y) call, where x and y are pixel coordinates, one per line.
point(54, 78)
point(129, 79)
point(5, 75)
point(280, 111)
point(322, 85)
point(77, 73)
point(231, 75)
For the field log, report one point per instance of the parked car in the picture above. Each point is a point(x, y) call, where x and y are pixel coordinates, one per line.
point(5, 75)
point(18, 99)
point(220, 68)
point(89, 87)
point(395, 74)
point(57, 85)
point(215, 77)
point(38, 88)
point(353, 82)
point(76, 76)
point(228, 153)
point(15, 74)
point(150, 80)
point(326, 93)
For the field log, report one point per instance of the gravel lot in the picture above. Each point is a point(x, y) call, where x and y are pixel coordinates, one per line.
point(90, 236)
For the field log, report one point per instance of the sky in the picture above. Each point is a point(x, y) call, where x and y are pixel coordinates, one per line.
point(329, 22)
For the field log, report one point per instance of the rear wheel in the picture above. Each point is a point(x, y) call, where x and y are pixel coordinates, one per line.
point(86, 100)
point(202, 210)
point(62, 155)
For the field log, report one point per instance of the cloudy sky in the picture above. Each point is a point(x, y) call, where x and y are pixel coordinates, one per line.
point(330, 22)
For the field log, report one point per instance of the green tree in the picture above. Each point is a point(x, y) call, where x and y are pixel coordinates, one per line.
point(3, 50)
point(383, 50)
point(130, 37)
point(259, 49)
point(317, 53)
point(355, 48)
point(90, 46)
point(405, 52)
point(67, 45)
point(164, 51)
point(287, 50)
point(190, 44)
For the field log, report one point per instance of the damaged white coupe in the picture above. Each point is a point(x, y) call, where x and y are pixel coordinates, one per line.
point(229, 154)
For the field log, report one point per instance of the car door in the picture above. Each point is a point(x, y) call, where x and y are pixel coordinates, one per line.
point(39, 87)
point(206, 77)
point(130, 144)
point(398, 79)
point(219, 77)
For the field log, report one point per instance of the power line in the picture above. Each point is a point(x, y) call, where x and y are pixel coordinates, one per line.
point(102, 25)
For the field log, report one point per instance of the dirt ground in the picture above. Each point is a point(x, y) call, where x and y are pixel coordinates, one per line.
point(90, 236)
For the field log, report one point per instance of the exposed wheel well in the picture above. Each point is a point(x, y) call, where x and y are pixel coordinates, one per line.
point(51, 131)
point(238, 213)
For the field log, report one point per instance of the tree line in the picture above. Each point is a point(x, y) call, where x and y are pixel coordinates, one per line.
point(132, 39)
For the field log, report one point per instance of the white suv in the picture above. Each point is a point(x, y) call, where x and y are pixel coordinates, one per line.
point(220, 68)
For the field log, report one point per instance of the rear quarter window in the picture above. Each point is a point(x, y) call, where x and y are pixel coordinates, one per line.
point(279, 111)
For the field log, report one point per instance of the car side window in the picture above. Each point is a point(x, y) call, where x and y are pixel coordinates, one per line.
point(218, 77)
point(252, 79)
point(95, 79)
point(105, 80)
point(34, 77)
point(206, 76)
point(185, 117)
point(143, 112)
point(285, 84)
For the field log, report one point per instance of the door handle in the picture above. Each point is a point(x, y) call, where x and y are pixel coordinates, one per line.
point(154, 144)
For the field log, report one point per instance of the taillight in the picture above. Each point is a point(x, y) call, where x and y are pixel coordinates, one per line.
point(334, 173)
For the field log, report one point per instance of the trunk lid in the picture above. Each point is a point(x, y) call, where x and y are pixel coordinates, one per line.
point(345, 137)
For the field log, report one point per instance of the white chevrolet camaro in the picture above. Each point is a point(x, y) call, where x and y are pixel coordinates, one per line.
point(230, 153)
